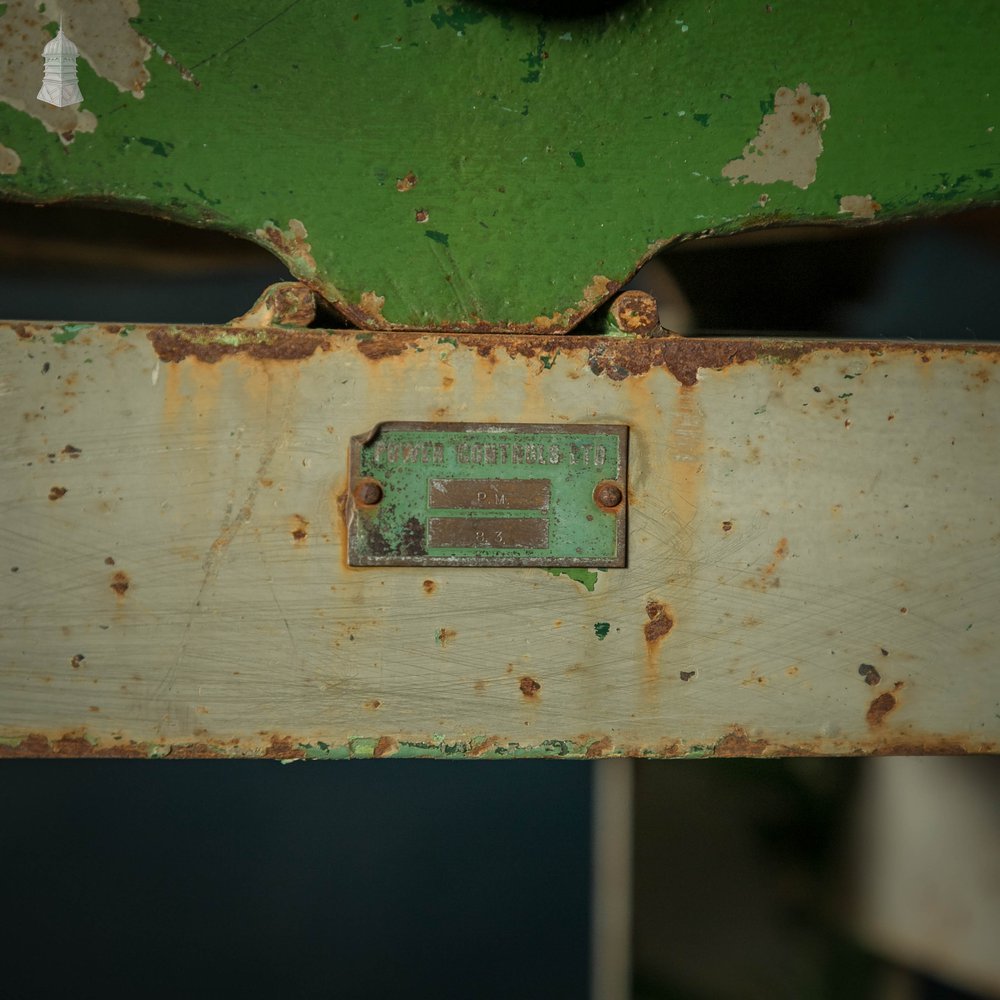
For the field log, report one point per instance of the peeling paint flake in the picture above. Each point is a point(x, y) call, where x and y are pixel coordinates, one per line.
point(859, 206)
point(788, 142)
point(10, 162)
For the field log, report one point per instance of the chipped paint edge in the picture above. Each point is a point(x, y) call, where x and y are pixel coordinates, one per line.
point(736, 743)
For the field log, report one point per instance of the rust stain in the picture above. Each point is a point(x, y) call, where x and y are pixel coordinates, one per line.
point(407, 183)
point(870, 674)
point(299, 529)
point(57, 492)
point(686, 675)
point(882, 706)
point(767, 578)
point(636, 312)
point(285, 303)
point(429, 586)
point(77, 661)
point(120, 583)
point(72, 452)
point(529, 687)
point(479, 686)
point(386, 747)
point(380, 348)
point(660, 621)
point(727, 525)
point(600, 748)
point(291, 246)
point(736, 743)
point(479, 747)
point(446, 635)
point(788, 143)
point(373, 704)
point(176, 343)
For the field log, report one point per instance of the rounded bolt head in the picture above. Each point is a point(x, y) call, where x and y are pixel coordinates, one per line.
point(368, 493)
point(637, 313)
point(609, 495)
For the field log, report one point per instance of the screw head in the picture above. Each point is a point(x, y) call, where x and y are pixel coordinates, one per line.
point(368, 493)
point(608, 495)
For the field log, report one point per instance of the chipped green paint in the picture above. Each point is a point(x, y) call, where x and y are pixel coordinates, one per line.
point(587, 578)
point(601, 629)
point(492, 110)
point(70, 331)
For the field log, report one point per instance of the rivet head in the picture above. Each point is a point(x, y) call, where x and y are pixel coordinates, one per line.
point(608, 495)
point(368, 493)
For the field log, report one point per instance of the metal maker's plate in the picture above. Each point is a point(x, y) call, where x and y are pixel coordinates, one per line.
point(457, 494)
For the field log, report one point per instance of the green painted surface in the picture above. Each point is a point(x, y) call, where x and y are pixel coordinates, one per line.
point(544, 153)
point(417, 466)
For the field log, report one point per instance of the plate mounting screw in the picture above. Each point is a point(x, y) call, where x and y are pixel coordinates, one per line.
point(608, 495)
point(368, 493)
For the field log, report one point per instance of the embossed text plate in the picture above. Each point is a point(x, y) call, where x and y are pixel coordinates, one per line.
point(468, 494)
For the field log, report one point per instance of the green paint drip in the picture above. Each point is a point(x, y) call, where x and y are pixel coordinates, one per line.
point(587, 577)
point(448, 340)
point(577, 157)
point(437, 237)
point(548, 362)
point(702, 120)
point(601, 629)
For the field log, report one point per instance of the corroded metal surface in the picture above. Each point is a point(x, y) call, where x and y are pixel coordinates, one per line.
point(427, 150)
point(813, 542)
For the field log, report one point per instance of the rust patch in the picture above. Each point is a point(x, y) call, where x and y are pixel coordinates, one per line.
point(767, 578)
point(529, 687)
point(386, 747)
point(882, 706)
point(736, 743)
point(479, 747)
point(285, 303)
point(446, 635)
point(380, 348)
point(635, 312)
point(371, 305)
point(859, 206)
point(407, 183)
point(57, 492)
point(77, 661)
point(109, 561)
point(176, 343)
point(727, 525)
point(686, 675)
point(788, 143)
point(429, 586)
point(72, 452)
point(600, 748)
point(421, 215)
point(300, 529)
point(291, 246)
point(870, 674)
point(281, 748)
point(120, 583)
point(660, 622)
point(373, 704)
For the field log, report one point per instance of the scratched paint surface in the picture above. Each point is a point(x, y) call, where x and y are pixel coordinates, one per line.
point(434, 165)
point(813, 550)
